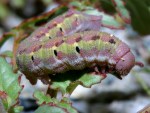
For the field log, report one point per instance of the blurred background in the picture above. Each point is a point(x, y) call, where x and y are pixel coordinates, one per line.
point(130, 21)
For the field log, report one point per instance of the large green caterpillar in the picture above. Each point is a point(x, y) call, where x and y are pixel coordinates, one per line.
point(58, 49)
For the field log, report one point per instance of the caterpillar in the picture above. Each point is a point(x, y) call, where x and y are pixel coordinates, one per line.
point(89, 49)
point(73, 47)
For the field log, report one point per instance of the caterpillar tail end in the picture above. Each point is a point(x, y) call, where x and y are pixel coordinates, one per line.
point(140, 64)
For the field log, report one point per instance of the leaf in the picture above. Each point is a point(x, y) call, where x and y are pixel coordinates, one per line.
point(66, 83)
point(9, 87)
point(106, 6)
point(80, 5)
point(41, 97)
point(52, 104)
point(7, 54)
point(121, 9)
point(107, 20)
point(140, 15)
point(50, 109)
point(18, 3)
point(5, 37)
point(65, 105)
point(3, 10)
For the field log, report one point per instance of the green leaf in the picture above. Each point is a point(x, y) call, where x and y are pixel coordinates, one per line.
point(5, 37)
point(140, 15)
point(42, 98)
point(66, 106)
point(67, 82)
point(3, 10)
point(50, 109)
point(7, 54)
point(121, 9)
point(80, 5)
point(52, 105)
point(107, 20)
point(9, 87)
point(106, 5)
point(17, 3)
point(62, 86)
point(18, 109)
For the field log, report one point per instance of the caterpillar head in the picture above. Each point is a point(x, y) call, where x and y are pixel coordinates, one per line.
point(126, 60)
point(125, 64)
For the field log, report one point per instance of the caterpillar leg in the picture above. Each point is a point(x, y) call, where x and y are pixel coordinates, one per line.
point(118, 76)
point(101, 72)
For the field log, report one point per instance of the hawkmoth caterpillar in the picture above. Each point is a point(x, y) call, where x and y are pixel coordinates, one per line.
point(56, 49)
point(89, 49)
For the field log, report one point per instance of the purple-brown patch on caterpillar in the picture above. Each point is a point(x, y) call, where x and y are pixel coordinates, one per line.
point(36, 48)
point(89, 37)
point(75, 61)
point(52, 42)
point(33, 48)
point(95, 18)
point(36, 61)
point(39, 33)
point(89, 55)
point(60, 55)
point(50, 26)
point(50, 62)
point(78, 39)
point(57, 44)
point(55, 22)
point(105, 37)
point(71, 61)
point(59, 67)
point(96, 21)
point(22, 51)
point(69, 13)
point(60, 32)
point(70, 40)
point(96, 37)
point(59, 19)
point(112, 41)
point(53, 65)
